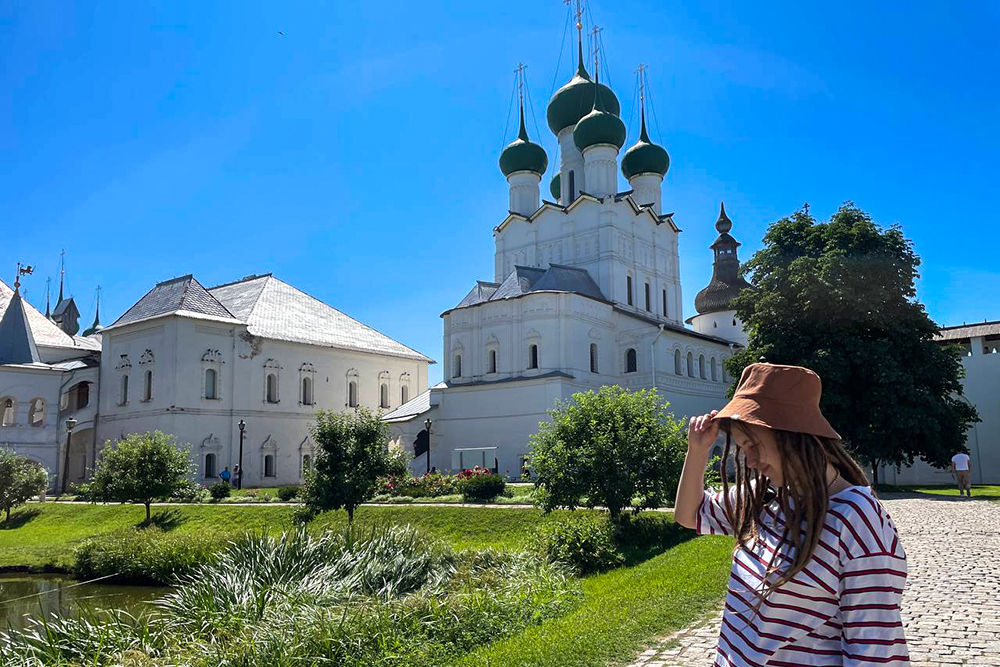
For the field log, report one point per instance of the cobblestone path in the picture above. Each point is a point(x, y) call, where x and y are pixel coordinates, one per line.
point(951, 605)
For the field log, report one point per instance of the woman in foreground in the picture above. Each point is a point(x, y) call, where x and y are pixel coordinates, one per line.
point(818, 569)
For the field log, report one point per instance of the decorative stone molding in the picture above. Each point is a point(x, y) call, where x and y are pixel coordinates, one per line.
point(123, 363)
point(147, 358)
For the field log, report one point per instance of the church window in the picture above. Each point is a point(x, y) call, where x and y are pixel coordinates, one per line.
point(593, 357)
point(492, 362)
point(572, 187)
point(271, 389)
point(404, 394)
point(456, 371)
point(123, 394)
point(211, 384)
point(664, 303)
point(630, 361)
point(533, 356)
point(269, 465)
point(82, 395)
point(690, 365)
point(36, 412)
point(701, 366)
point(715, 371)
point(628, 288)
point(383, 395)
point(147, 386)
point(8, 415)
point(352, 394)
point(210, 465)
point(725, 373)
point(307, 391)
point(715, 325)
point(734, 321)
point(306, 464)
point(677, 362)
point(649, 306)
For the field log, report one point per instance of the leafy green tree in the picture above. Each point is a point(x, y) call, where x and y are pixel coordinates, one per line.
point(142, 468)
point(20, 479)
point(606, 448)
point(839, 298)
point(352, 452)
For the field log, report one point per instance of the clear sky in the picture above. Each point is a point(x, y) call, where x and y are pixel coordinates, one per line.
point(355, 155)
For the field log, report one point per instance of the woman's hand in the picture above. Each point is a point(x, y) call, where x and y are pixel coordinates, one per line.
point(702, 432)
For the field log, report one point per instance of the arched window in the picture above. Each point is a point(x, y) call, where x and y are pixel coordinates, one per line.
point(82, 395)
point(8, 414)
point(123, 396)
point(593, 358)
point(532, 356)
point(649, 304)
point(147, 386)
point(307, 391)
point(383, 395)
point(725, 373)
point(630, 360)
point(628, 288)
point(306, 464)
point(715, 371)
point(272, 388)
point(210, 465)
point(701, 366)
point(36, 412)
point(404, 394)
point(572, 187)
point(690, 365)
point(492, 362)
point(269, 465)
point(352, 394)
point(211, 384)
point(677, 362)
point(456, 370)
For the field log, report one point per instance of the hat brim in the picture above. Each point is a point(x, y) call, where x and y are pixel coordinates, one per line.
point(773, 415)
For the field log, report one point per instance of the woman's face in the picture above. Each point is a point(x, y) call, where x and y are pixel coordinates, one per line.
point(760, 449)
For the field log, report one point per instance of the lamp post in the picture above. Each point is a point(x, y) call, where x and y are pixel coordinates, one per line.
point(239, 476)
point(70, 425)
point(427, 425)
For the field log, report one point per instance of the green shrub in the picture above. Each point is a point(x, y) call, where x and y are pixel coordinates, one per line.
point(220, 490)
point(585, 543)
point(482, 487)
point(286, 493)
point(713, 473)
point(190, 493)
point(655, 530)
point(143, 556)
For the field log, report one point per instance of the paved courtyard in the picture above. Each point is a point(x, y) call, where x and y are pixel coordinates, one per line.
point(951, 605)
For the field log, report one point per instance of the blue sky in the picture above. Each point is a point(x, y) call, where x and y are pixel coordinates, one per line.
point(355, 155)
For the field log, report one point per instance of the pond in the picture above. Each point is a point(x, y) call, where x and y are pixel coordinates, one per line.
point(34, 594)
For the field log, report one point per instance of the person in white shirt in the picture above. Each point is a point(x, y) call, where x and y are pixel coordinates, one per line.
point(960, 468)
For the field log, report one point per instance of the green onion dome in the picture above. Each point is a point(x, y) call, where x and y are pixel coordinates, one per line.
point(522, 154)
point(555, 186)
point(599, 127)
point(575, 100)
point(645, 157)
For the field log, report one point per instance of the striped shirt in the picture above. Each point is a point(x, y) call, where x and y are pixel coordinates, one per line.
point(841, 610)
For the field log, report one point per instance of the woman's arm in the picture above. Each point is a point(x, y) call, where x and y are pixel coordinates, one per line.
point(702, 432)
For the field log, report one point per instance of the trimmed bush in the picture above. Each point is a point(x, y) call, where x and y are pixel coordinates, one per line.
point(143, 556)
point(482, 487)
point(286, 493)
point(220, 490)
point(431, 485)
point(585, 543)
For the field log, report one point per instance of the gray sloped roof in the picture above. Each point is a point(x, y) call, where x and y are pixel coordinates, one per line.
point(481, 292)
point(17, 345)
point(969, 331)
point(561, 278)
point(45, 332)
point(414, 407)
point(518, 282)
point(526, 279)
point(179, 295)
point(274, 309)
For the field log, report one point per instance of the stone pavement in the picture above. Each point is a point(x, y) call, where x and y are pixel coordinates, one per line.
point(951, 605)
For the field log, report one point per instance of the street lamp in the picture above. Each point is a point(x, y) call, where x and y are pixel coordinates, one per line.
point(239, 475)
point(70, 425)
point(427, 425)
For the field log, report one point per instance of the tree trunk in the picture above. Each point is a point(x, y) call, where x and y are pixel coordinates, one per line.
point(8, 514)
point(350, 514)
point(875, 474)
point(147, 512)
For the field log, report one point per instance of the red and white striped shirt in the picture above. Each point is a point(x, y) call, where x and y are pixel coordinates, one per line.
point(842, 610)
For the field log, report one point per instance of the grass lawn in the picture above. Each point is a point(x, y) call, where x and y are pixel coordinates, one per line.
point(982, 491)
point(622, 611)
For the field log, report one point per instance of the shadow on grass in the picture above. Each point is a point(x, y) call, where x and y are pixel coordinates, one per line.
point(646, 536)
point(19, 518)
point(164, 520)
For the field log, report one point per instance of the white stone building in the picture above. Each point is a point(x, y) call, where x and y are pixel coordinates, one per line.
point(585, 292)
point(48, 376)
point(194, 362)
point(981, 388)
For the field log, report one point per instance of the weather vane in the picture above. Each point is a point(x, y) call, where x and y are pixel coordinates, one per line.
point(22, 270)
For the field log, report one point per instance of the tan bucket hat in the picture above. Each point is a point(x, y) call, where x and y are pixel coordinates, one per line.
point(779, 397)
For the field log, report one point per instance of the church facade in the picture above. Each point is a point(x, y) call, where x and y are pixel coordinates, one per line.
point(585, 292)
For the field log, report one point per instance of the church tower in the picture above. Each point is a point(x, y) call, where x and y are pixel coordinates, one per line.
point(523, 162)
point(645, 164)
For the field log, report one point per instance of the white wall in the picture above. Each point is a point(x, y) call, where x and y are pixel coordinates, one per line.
point(723, 324)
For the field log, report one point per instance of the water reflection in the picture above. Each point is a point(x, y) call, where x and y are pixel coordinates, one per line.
point(35, 594)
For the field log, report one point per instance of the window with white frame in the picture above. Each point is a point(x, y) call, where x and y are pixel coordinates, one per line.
point(383, 395)
point(593, 358)
point(533, 356)
point(211, 469)
point(8, 412)
point(690, 364)
point(124, 366)
point(147, 386)
point(353, 388)
point(628, 288)
point(701, 366)
point(677, 362)
point(307, 384)
point(456, 365)
point(715, 370)
point(269, 465)
point(36, 412)
point(211, 366)
point(272, 370)
point(211, 384)
point(123, 391)
point(404, 388)
point(492, 362)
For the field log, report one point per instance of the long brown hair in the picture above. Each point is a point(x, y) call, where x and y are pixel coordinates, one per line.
point(803, 497)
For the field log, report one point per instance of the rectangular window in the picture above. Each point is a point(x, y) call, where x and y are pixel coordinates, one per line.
point(628, 282)
point(664, 303)
point(648, 306)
